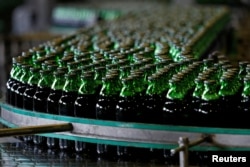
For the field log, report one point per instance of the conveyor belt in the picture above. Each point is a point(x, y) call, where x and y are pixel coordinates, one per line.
point(128, 134)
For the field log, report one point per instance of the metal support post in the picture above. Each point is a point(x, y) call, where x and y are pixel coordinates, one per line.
point(184, 145)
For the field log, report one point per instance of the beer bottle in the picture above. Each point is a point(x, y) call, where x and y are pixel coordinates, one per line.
point(227, 93)
point(53, 102)
point(43, 90)
point(126, 110)
point(107, 99)
point(16, 83)
point(55, 92)
point(243, 71)
point(31, 89)
point(69, 94)
point(21, 88)
point(11, 79)
point(244, 105)
point(210, 105)
point(85, 105)
point(154, 99)
point(66, 103)
point(175, 109)
point(64, 60)
point(99, 73)
point(131, 107)
point(40, 99)
point(196, 99)
point(106, 107)
point(126, 106)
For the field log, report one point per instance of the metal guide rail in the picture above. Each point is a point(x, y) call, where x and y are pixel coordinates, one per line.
point(128, 134)
point(141, 135)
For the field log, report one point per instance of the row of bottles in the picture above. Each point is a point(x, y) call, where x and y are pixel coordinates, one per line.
point(191, 93)
point(153, 93)
point(140, 69)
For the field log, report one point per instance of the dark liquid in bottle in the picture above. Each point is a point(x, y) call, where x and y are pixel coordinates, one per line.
point(105, 110)
point(40, 99)
point(9, 84)
point(175, 112)
point(196, 116)
point(28, 97)
point(85, 106)
point(53, 101)
point(228, 105)
point(13, 89)
point(66, 108)
point(131, 109)
point(66, 103)
point(153, 111)
point(126, 112)
point(212, 115)
point(126, 109)
point(106, 107)
point(39, 105)
point(19, 95)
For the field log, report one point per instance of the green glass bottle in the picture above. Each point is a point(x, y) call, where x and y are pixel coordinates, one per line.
point(99, 73)
point(53, 102)
point(43, 90)
point(131, 107)
point(69, 94)
point(55, 92)
point(66, 104)
point(64, 60)
point(85, 106)
point(196, 99)
point(107, 99)
point(227, 93)
point(154, 99)
point(126, 107)
point(11, 79)
point(40, 99)
point(31, 88)
point(106, 108)
point(21, 88)
point(210, 105)
point(242, 71)
point(176, 108)
point(16, 82)
point(244, 105)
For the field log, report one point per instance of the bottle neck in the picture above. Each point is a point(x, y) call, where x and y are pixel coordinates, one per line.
point(58, 83)
point(176, 92)
point(110, 87)
point(128, 90)
point(199, 89)
point(33, 80)
point(156, 87)
point(87, 87)
point(226, 89)
point(210, 92)
point(71, 84)
point(246, 89)
point(45, 81)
